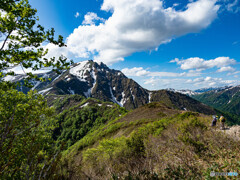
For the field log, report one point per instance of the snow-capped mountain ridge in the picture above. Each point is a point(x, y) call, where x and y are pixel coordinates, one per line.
point(184, 91)
point(202, 90)
point(216, 89)
point(96, 80)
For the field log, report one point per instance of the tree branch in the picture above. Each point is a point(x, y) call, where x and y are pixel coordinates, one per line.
point(6, 39)
point(22, 68)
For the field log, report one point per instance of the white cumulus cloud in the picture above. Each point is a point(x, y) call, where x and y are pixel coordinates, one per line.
point(136, 71)
point(232, 5)
point(234, 73)
point(179, 83)
point(226, 69)
point(90, 18)
point(136, 26)
point(163, 83)
point(140, 71)
point(201, 64)
point(77, 15)
point(212, 82)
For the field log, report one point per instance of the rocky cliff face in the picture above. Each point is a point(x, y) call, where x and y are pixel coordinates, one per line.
point(96, 80)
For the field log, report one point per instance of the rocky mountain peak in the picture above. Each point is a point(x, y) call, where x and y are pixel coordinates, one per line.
point(96, 80)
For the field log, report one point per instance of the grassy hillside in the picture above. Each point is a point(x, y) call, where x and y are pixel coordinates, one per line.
point(152, 142)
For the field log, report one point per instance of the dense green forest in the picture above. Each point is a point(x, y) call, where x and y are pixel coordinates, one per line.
point(74, 122)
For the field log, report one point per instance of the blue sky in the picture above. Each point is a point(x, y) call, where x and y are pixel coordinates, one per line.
point(160, 44)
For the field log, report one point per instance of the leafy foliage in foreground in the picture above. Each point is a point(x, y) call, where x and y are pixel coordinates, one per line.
point(26, 144)
point(22, 40)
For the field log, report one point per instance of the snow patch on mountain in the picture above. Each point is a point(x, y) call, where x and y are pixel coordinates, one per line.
point(88, 93)
point(94, 76)
point(45, 90)
point(149, 97)
point(58, 76)
point(68, 79)
point(80, 70)
point(9, 78)
point(114, 98)
point(36, 85)
point(71, 91)
point(86, 104)
point(123, 100)
point(132, 94)
point(38, 82)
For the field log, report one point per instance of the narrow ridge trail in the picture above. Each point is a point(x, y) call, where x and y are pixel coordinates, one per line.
point(233, 131)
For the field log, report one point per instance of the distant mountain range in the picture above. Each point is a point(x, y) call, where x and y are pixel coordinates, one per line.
point(96, 80)
point(226, 99)
point(199, 91)
point(203, 90)
point(184, 91)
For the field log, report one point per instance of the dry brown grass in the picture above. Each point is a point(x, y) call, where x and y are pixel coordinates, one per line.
point(187, 149)
point(149, 111)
